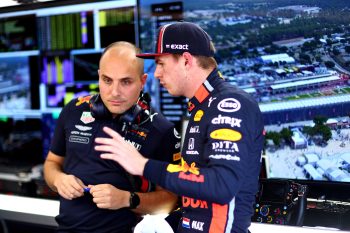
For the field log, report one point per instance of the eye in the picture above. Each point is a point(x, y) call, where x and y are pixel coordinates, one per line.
point(126, 81)
point(107, 80)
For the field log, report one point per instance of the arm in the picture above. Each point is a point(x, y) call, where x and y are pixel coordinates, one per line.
point(156, 202)
point(68, 186)
point(107, 196)
point(235, 163)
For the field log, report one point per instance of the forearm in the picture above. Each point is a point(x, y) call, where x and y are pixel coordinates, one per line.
point(159, 201)
point(51, 172)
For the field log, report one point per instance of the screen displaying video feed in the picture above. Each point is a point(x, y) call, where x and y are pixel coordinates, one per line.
point(85, 66)
point(21, 143)
point(117, 25)
point(18, 33)
point(294, 60)
point(56, 67)
point(66, 31)
point(15, 90)
point(58, 95)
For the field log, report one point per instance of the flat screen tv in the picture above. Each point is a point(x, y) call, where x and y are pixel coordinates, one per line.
point(293, 58)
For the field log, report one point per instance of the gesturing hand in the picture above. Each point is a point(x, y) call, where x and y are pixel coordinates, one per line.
point(117, 149)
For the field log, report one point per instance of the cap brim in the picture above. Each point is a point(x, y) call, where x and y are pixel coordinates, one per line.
point(150, 55)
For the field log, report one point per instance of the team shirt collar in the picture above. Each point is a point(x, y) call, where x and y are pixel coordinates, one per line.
point(203, 92)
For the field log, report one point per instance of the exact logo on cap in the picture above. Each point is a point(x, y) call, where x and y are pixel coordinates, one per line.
point(177, 46)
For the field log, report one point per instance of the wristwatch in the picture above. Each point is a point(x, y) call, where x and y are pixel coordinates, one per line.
point(134, 200)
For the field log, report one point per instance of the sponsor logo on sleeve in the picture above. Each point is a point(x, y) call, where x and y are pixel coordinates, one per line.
point(226, 134)
point(186, 172)
point(184, 167)
point(220, 120)
point(87, 118)
point(198, 116)
point(229, 105)
point(191, 177)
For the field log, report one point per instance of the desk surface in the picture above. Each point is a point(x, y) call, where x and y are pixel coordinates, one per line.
point(43, 212)
point(27, 209)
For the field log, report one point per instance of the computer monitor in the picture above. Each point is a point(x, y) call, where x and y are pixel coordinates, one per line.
point(58, 95)
point(18, 33)
point(18, 83)
point(85, 65)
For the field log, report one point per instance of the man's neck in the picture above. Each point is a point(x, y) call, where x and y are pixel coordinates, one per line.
point(198, 76)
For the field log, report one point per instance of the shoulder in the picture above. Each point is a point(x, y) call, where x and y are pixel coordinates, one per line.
point(229, 98)
point(159, 122)
point(79, 104)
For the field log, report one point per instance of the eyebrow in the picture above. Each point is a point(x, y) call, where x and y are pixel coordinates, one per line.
point(105, 76)
point(121, 79)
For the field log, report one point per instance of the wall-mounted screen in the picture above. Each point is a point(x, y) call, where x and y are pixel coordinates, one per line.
point(18, 33)
point(60, 94)
point(56, 67)
point(19, 86)
point(293, 58)
point(117, 24)
point(66, 38)
point(85, 66)
point(66, 31)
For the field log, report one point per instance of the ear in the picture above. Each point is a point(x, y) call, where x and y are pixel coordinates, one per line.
point(143, 80)
point(188, 59)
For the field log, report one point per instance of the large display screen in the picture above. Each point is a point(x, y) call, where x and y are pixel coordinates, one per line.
point(18, 91)
point(18, 33)
point(67, 39)
point(293, 58)
point(49, 54)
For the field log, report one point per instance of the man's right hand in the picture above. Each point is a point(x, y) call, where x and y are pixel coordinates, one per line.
point(69, 186)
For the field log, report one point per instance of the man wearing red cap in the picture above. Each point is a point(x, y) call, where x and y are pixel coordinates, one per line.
point(218, 176)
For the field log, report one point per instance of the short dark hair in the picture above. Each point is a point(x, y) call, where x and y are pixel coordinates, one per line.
point(206, 62)
point(202, 61)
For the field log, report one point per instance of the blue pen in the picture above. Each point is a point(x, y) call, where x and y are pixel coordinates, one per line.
point(87, 190)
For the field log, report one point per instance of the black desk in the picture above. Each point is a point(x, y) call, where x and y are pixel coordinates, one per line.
point(42, 212)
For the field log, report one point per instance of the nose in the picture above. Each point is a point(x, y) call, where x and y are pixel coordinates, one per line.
point(115, 89)
point(157, 72)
